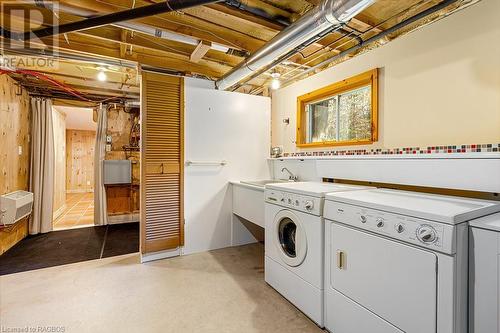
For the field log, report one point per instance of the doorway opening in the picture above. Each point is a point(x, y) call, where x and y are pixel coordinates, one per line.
point(93, 126)
point(74, 145)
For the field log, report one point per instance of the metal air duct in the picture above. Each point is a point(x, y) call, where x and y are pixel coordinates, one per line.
point(319, 21)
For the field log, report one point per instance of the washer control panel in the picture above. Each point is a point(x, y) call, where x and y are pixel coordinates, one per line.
point(303, 203)
point(430, 234)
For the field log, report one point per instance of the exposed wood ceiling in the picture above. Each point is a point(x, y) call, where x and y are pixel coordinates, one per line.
point(241, 32)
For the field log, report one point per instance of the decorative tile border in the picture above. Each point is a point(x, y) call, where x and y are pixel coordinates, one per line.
point(474, 148)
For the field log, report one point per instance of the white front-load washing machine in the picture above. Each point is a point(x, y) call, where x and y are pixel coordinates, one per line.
point(396, 262)
point(294, 238)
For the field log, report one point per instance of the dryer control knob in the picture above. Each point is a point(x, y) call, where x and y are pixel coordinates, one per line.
point(362, 218)
point(380, 222)
point(309, 204)
point(400, 228)
point(426, 234)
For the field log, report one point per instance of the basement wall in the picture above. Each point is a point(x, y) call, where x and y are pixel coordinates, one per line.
point(123, 201)
point(59, 128)
point(220, 125)
point(80, 145)
point(439, 85)
point(14, 151)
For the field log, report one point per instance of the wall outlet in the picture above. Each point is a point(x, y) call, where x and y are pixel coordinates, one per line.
point(88, 182)
point(108, 147)
point(108, 139)
point(20, 150)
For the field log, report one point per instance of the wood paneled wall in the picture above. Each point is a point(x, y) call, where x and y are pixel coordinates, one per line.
point(15, 129)
point(80, 147)
point(122, 199)
point(59, 126)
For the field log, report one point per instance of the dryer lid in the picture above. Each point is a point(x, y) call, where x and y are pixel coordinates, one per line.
point(440, 208)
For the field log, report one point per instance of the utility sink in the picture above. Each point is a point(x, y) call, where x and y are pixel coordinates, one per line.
point(263, 183)
point(248, 201)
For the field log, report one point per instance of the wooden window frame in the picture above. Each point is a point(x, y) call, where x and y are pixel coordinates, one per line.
point(358, 81)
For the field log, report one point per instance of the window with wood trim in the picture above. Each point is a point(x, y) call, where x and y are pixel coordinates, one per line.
point(344, 113)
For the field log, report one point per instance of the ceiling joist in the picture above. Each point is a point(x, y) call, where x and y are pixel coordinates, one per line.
point(241, 27)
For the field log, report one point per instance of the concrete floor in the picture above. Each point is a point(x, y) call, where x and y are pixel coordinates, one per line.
point(217, 291)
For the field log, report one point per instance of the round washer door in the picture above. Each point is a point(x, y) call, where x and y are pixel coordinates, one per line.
point(290, 238)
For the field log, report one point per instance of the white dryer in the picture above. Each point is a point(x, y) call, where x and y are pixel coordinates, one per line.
point(294, 238)
point(397, 261)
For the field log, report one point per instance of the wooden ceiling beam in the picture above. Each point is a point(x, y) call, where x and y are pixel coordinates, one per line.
point(213, 16)
point(108, 46)
point(272, 10)
point(359, 19)
point(143, 57)
point(182, 24)
point(128, 38)
point(87, 90)
point(113, 34)
point(92, 83)
point(249, 18)
point(123, 44)
point(199, 52)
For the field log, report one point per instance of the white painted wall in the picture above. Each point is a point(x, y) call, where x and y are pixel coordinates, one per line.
point(439, 85)
point(461, 171)
point(227, 126)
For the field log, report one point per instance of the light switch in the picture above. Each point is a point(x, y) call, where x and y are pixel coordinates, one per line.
point(20, 150)
point(108, 147)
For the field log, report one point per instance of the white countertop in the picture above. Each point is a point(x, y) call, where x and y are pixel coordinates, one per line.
point(253, 187)
point(490, 222)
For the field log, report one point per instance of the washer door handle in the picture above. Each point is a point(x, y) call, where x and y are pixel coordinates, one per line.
point(341, 259)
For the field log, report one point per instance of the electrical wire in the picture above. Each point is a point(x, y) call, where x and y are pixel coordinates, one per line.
point(54, 82)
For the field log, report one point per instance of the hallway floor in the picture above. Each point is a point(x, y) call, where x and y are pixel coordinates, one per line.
point(79, 212)
point(70, 246)
point(217, 291)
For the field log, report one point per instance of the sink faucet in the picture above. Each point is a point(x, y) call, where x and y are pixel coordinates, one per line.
point(291, 176)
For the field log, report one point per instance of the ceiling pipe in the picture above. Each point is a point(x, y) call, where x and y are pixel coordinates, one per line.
point(362, 43)
point(324, 18)
point(97, 21)
point(257, 12)
point(136, 27)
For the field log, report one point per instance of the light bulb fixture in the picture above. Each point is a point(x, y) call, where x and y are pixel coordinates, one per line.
point(101, 76)
point(275, 83)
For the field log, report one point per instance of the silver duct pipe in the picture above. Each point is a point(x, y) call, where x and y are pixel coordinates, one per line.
point(440, 6)
point(330, 14)
point(137, 27)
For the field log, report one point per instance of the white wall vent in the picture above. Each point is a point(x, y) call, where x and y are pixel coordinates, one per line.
point(14, 206)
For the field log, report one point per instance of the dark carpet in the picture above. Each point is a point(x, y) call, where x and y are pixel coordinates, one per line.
point(121, 239)
point(70, 246)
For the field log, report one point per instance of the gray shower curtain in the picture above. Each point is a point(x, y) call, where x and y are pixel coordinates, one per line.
point(100, 206)
point(42, 166)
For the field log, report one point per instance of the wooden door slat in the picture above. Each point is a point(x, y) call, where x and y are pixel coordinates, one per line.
point(162, 214)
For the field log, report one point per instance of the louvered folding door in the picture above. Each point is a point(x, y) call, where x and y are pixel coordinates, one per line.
point(161, 162)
